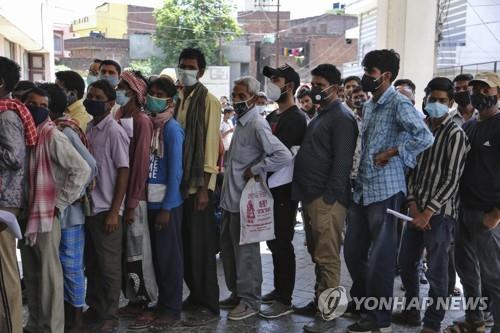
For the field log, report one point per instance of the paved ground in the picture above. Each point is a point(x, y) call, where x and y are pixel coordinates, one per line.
point(303, 293)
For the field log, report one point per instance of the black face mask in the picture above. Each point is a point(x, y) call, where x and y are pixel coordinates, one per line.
point(283, 96)
point(370, 84)
point(482, 102)
point(95, 108)
point(319, 95)
point(38, 113)
point(462, 98)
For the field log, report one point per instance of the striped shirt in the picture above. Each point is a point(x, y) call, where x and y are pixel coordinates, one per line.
point(434, 182)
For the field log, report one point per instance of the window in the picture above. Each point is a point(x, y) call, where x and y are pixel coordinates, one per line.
point(58, 44)
point(10, 49)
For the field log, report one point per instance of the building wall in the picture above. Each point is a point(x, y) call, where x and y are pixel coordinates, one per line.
point(140, 20)
point(85, 49)
point(110, 19)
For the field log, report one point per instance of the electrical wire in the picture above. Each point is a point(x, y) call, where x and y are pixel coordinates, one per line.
point(481, 19)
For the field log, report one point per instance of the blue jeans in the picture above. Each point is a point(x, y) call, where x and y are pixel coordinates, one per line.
point(370, 252)
point(436, 241)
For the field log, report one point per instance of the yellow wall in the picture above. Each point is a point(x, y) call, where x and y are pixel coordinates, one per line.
point(110, 19)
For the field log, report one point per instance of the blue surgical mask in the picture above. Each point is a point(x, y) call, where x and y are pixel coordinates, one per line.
point(91, 79)
point(121, 97)
point(38, 113)
point(436, 110)
point(112, 79)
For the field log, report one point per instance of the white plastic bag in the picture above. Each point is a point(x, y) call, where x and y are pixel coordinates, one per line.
point(256, 213)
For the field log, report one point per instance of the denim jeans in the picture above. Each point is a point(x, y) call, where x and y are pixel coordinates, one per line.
point(370, 252)
point(436, 241)
point(477, 261)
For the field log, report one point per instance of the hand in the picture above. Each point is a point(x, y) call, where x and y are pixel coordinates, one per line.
point(111, 222)
point(412, 206)
point(201, 199)
point(3, 226)
point(162, 219)
point(421, 220)
point(491, 219)
point(129, 216)
point(381, 159)
point(248, 174)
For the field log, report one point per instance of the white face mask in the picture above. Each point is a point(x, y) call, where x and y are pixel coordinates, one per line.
point(187, 77)
point(273, 92)
point(260, 108)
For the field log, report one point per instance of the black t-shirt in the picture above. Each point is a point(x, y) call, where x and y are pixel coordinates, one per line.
point(288, 126)
point(480, 185)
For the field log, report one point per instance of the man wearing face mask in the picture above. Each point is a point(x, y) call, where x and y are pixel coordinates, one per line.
point(254, 152)
point(17, 133)
point(93, 74)
point(394, 134)
point(477, 240)
point(74, 87)
point(329, 143)
point(464, 110)
point(434, 206)
point(110, 71)
point(57, 176)
point(103, 249)
point(358, 99)
point(198, 112)
point(138, 246)
point(288, 124)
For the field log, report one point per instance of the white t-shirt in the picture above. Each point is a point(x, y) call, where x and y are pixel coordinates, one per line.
point(224, 127)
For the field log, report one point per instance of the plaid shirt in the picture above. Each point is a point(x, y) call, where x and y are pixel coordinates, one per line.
point(390, 122)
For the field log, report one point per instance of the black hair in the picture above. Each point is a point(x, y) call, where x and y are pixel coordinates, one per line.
point(194, 53)
point(97, 61)
point(106, 87)
point(440, 84)
point(463, 77)
point(57, 98)
point(385, 60)
point(228, 109)
point(164, 84)
point(24, 85)
point(10, 72)
point(409, 83)
point(303, 93)
point(140, 76)
point(72, 81)
point(109, 62)
point(329, 72)
point(352, 78)
point(357, 90)
point(37, 91)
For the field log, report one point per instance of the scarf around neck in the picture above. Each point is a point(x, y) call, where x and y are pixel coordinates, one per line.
point(159, 120)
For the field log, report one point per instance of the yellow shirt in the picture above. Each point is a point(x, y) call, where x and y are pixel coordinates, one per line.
point(78, 113)
point(212, 125)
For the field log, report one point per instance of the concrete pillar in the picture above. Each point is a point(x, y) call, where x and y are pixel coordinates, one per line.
point(408, 26)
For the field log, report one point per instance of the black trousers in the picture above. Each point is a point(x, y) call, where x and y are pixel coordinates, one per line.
point(285, 212)
point(166, 245)
point(199, 236)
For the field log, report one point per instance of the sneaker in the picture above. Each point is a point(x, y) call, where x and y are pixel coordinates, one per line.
point(200, 318)
point(319, 325)
point(352, 311)
point(270, 297)
point(407, 317)
point(488, 319)
point(241, 311)
point(365, 326)
point(308, 310)
point(229, 303)
point(276, 310)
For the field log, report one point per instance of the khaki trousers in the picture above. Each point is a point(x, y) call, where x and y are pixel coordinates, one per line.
point(43, 278)
point(323, 226)
point(11, 320)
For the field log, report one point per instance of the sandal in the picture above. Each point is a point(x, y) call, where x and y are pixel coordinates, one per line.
point(163, 323)
point(131, 311)
point(145, 320)
point(466, 327)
